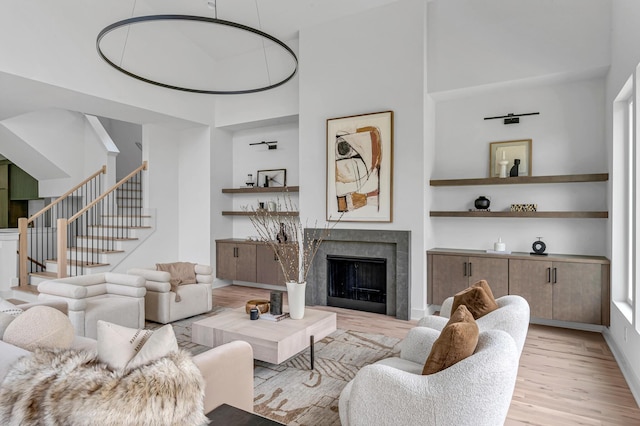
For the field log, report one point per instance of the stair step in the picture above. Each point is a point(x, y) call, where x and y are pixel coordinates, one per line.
point(72, 262)
point(118, 227)
point(45, 275)
point(93, 237)
point(93, 250)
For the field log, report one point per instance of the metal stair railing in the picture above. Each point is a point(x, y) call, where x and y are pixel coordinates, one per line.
point(37, 241)
point(110, 215)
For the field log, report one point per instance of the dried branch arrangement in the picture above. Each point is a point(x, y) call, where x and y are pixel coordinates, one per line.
point(284, 233)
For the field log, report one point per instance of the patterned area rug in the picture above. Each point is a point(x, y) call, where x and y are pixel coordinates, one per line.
point(292, 393)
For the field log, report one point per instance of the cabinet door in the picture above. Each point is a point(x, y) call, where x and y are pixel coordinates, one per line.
point(225, 261)
point(494, 270)
point(246, 262)
point(577, 294)
point(449, 276)
point(268, 269)
point(531, 279)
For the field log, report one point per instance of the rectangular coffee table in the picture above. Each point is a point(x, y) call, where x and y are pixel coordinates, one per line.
point(272, 341)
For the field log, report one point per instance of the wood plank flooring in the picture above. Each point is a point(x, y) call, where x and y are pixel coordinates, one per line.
point(566, 377)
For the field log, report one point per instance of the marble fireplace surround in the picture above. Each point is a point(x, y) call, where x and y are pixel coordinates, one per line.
point(391, 245)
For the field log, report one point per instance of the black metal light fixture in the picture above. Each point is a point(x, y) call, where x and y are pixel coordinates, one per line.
point(270, 144)
point(511, 118)
point(195, 19)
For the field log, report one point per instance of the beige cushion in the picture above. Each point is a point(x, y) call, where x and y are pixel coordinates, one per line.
point(478, 298)
point(457, 341)
point(128, 348)
point(9, 308)
point(40, 326)
point(5, 320)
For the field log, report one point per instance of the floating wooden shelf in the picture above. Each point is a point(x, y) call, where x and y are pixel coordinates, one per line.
point(233, 213)
point(562, 215)
point(594, 177)
point(260, 189)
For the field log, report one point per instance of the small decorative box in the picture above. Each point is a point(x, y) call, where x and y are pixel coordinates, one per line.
point(524, 207)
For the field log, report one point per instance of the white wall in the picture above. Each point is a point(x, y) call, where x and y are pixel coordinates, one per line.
point(125, 135)
point(622, 335)
point(473, 43)
point(567, 138)
point(370, 62)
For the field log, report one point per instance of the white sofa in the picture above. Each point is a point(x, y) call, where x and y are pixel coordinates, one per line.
point(512, 317)
point(476, 391)
point(227, 369)
point(112, 297)
point(160, 301)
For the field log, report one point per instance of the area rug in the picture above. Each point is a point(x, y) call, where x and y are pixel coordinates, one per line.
point(293, 394)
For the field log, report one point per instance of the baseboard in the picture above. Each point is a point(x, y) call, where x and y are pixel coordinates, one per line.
point(628, 374)
point(569, 324)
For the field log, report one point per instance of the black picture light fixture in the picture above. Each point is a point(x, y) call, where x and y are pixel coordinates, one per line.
point(511, 118)
point(270, 144)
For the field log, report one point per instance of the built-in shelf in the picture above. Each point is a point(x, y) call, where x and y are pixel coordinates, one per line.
point(260, 189)
point(234, 213)
point(594, 177)
point(555, 215)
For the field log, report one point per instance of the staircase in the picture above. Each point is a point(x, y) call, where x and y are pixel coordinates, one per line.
point(100, 235)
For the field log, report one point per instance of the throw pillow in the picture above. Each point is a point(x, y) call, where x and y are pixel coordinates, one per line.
point(40, 327)
point(457, 341)
point(478, 298)
point(181, 273)
point(5, 320)
point(9, 308)
point(128, 348)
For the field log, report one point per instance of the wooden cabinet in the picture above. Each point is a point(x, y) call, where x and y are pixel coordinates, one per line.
point(454, 273)
point(558, 287)
point(236, 261)
point(268, 270)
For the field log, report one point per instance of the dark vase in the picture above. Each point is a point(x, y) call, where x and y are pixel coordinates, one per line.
point(482, 203)
point(514, 169)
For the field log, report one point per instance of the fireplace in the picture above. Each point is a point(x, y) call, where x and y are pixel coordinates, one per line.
point(357, 283)
point(394, 247)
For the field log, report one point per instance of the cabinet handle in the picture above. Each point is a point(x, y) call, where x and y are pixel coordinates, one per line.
point(235, 252)
point(465, 269)
point(470, 270)
point(555, 275)
point(548, 275)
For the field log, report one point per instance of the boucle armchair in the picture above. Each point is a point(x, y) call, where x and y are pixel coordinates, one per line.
point(475, 391)
point(512, 317)
point(161, 304)
point(108, 296)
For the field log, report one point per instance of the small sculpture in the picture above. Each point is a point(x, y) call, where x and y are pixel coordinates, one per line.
point(282, 235)
point(514, 169)
point(249, 181)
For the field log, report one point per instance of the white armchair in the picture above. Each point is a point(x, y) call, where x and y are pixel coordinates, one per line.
point(160, 302)
point(475, 391)
point(512, 316)
point(108, 296)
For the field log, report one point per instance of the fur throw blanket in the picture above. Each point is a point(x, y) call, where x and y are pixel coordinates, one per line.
point(69, 387)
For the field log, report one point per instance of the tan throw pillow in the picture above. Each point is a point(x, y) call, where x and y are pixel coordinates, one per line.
point(457, 341)
point(40, 327)
point(181, 273)
point(127, 348)
point(478, 298)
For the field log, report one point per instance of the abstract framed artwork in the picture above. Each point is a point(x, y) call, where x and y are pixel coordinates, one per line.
point(360, 168)
point(510, 151)
point(272, 178)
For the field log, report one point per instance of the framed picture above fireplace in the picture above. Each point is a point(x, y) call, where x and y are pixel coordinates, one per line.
point(360, 167)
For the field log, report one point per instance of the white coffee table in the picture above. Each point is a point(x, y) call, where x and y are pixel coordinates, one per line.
point(272, 341)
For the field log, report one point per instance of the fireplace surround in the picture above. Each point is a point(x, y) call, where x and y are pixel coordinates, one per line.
point(394, 246)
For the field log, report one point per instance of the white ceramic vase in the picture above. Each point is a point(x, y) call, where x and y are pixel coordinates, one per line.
point(295, 294)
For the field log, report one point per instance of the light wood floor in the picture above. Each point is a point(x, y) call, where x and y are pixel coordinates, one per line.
point(566, 377)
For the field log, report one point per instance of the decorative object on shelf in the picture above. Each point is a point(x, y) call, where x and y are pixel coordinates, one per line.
point(514, 170)
point(261, 304)
point(249, 181)
point(511, 118)
point(524, 207)
point(499, 245)
point(503, 165)
point(295, 256)
point(185, 33)
point(482, 203)
point(359, 167)
point(282, 234)
point(539, 247)
point(260, 205)
point(270, 144)
point(275, 303)
point(510, 151)
point(272, 178)
point(271, 205)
